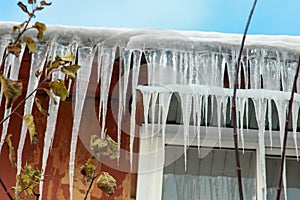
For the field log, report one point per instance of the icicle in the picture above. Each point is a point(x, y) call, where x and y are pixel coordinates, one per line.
point(260, 112)
point(3, 44)
point(85, 59)
point(146, 101)
point(137, 55)
point(281, 110)
point(121, 91)
point(219, 114)
point(242, 111)
point(164, 104)
point(49, 136)
point(14, 64)
point(270, 121)
point(198, 107)
point(51, 120)
point(186, 106)
point(153, 111)
point(225, 99)
point(295, 115)
point(37, 62)
point(127, 62)
point(107, 64)
point(284, 181)
point(205, 101)
point(99, 68)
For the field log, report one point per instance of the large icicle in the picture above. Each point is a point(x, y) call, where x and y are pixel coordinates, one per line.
point(146, 101)
point(37, 62)
point(270, 121)
point(198, 99)
point(295, 115)
point(164, 104)
point(49, 134)
point(186, 106)
point(14, 64)
point(137, 55)
point(260, 112)
point(108, 58)
point(52, 118)
point(85, 59)
point(281, 110)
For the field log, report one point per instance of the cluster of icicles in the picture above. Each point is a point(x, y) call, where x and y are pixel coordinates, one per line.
point(193, 68)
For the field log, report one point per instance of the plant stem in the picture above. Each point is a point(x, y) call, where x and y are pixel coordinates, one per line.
point(5, 189)
point(92, 181)
point(234, 119)
point(286, 129)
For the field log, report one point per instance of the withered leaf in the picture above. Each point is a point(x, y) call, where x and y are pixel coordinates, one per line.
point(31, 127)
point(11, 150)
point(106, 183)
point(59, 89)
point(30, 44)
point(23, 7)
point(16, 27)
point(70, 71)
point(44, 3)
point(41, 27)
point(11, 89)
point(88, 169)
point(38, 104)
point(68, 57)
point(14, 49)
point(50, 95)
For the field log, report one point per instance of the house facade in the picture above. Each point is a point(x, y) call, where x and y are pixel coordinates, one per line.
point(165, 96)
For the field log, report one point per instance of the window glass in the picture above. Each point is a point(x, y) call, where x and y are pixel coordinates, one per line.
point(292, 175)
point(208, 175)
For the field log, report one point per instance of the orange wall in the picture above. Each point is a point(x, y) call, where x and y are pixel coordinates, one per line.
point(56, 184)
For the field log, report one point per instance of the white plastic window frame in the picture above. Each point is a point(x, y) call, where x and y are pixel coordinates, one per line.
point(151, 154)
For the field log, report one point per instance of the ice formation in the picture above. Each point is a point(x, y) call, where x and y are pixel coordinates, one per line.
point(191, 65)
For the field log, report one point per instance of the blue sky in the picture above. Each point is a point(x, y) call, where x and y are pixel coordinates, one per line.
point(276, 17)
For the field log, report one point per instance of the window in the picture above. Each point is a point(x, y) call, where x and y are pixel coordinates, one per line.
point(292, 176)
point(209, 174)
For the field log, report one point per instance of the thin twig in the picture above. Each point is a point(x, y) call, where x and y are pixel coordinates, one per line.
point(5, 189)
point(286, 129)
point(92, 181)
point(234, 120)
point(22, 101)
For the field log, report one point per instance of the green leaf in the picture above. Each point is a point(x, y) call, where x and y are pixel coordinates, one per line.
point(68, 57)
point(38, 104)
point(14, 49)
point(30, 44)
point(18, 27)
point(50, 95)
point(70, 71)
point(23, 7)
point(11, 89)
point(44, 3)
point(88, 169)
point(59, 89)
point(11, 150)
point(31, 127)
point(106, 183)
